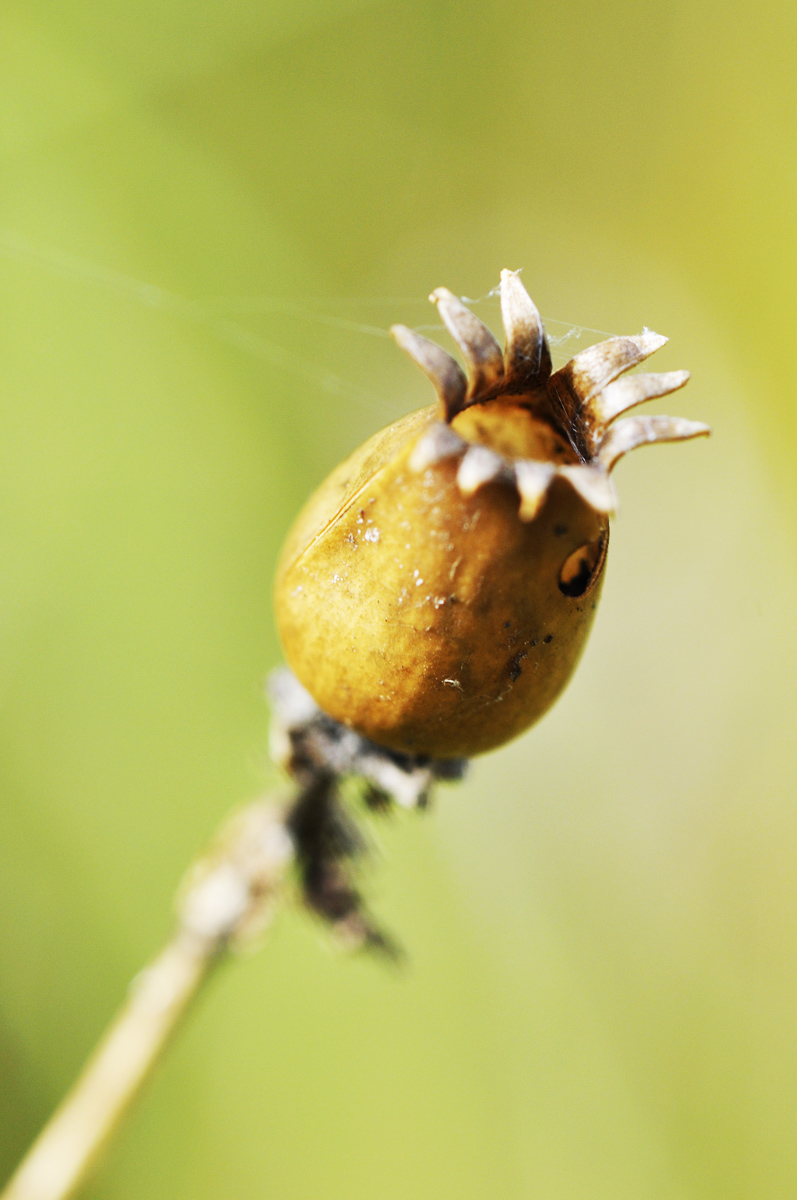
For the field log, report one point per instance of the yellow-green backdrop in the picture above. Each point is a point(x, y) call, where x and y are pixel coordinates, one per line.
point(209, 214)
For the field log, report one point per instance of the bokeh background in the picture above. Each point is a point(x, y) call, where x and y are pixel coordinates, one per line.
point(209, 214)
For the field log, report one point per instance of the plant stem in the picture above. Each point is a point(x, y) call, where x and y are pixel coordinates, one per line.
point(226, 900)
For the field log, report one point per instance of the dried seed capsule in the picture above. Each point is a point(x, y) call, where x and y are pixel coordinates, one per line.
point(437, 590)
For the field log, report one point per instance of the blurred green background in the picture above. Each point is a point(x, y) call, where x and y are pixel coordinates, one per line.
point(209, 214)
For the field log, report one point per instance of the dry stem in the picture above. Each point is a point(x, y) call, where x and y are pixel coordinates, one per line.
point(225, 900)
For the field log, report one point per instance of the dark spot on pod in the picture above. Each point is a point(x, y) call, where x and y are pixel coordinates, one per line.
point(548, 639)
point(515, 669)
point(559, 530)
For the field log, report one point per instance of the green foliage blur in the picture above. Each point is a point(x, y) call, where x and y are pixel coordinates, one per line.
point(209, 215)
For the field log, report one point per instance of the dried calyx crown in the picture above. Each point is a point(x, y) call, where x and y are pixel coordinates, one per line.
point(580, 402)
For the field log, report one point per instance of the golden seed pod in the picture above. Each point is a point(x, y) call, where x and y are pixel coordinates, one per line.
point(437, 590)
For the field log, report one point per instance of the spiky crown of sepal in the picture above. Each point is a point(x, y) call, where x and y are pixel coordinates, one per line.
point(581, 401)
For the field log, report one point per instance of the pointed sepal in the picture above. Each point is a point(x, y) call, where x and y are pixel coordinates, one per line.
point(439, 442)
point(480, 466)
point(480, 349)
point(533, 479)
point(623, 394)
point(639, 431)
point(593, 485)
point(527, 359)
point(447, 376)
point(592, 369)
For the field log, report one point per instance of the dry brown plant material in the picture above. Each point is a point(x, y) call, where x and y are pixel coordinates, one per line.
point(436, 592)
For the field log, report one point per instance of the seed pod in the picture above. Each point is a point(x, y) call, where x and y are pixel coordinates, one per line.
point(437, 590)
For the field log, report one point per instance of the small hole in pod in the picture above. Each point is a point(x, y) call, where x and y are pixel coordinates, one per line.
point(582, 567)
